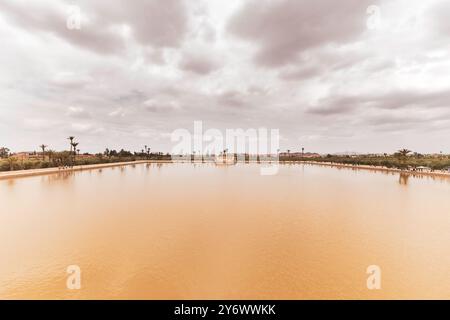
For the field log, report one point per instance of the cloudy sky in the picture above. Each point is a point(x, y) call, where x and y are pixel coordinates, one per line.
point(332, 76)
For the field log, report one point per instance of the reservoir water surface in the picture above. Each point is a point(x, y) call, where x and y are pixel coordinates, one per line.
point(201, 231)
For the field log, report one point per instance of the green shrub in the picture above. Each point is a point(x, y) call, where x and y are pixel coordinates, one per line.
point(4, 166)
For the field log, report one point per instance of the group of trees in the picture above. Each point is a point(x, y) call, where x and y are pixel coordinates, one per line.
point(402, 159)
point(121, 154)
point(63, 158)
point(143, 154)
point(73, 146)
point(4, 152)
point(50, 158)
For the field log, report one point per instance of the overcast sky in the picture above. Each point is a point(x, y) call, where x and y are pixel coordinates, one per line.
point(323, 72)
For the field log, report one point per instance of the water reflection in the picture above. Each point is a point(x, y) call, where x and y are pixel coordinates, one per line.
point(58, 177)
point(11, 182)
point(403, 178)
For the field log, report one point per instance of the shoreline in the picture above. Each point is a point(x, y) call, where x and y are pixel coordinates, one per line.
point(38, 172)
point(374, 168)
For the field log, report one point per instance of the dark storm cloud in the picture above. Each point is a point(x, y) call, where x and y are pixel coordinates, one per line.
point(53, 20)
point(198, 64)
point(411, 99)
point(302, 73)
point(394, 100)
point(152, 23)
point(336, 105)
point(231, 98)
point(282, 29)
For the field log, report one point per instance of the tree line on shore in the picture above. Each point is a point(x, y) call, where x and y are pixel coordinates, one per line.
point(402, 159)
point(48, 158)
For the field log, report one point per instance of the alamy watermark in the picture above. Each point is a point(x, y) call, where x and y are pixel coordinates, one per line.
point(73, 281)
point(374, 279)
point(73, 21)
point(233, 146)
point(374, 20)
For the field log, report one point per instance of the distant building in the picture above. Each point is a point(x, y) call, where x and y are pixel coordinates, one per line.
point(226, 159)
point(24, 155)
point(423, 169)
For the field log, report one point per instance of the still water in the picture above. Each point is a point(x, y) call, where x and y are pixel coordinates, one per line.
point(186, 231)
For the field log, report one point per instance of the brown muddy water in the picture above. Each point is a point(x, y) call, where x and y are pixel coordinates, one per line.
point(186, 231)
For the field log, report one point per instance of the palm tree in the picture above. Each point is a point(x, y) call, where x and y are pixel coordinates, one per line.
point(43, 146)
point(71, 143)
point(402, 154)
point(303, 152)
point(289, 152)
point(74, 145)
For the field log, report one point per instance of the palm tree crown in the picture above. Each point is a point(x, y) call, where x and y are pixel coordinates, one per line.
point(43, 146)
point(404, 152)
